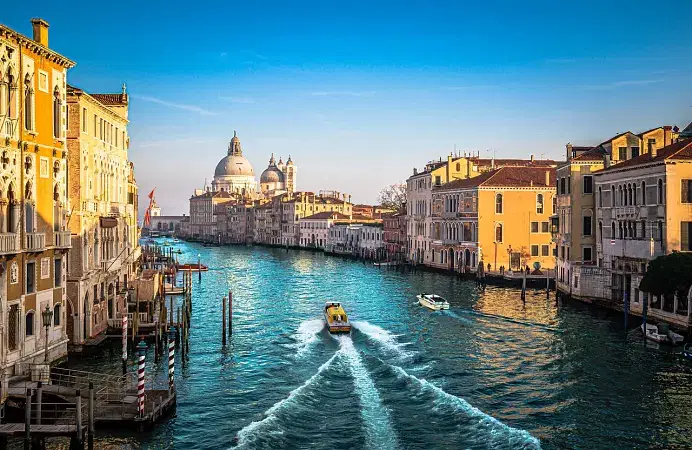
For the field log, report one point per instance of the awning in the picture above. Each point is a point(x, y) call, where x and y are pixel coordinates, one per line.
point(109, 222)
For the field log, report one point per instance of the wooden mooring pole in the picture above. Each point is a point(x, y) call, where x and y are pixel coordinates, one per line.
point(78, 418)
point(223, 321)
point(27, 421)
point(230, 312)
point(92, 427)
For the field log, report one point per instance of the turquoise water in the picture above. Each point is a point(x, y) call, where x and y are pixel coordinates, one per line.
point(490, 373)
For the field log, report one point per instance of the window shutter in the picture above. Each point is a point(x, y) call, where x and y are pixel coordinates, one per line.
point(685, 236)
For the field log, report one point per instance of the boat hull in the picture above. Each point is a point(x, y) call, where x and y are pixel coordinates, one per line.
point(337, 327)
point(434, 306)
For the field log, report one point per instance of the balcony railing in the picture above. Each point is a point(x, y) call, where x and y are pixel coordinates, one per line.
point(111, 265)
point(9, 243)
point(63, 239)
point(35, 242)
point(632, 248)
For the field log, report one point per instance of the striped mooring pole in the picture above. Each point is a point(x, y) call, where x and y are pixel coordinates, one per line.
point(171, 359)
point(141, 352)
point(124, 344)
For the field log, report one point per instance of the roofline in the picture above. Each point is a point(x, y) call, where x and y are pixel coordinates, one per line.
point(79, 92)
point(31, 44)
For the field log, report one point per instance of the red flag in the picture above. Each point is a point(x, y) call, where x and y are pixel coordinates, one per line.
point(151, 194)
point(147, 218)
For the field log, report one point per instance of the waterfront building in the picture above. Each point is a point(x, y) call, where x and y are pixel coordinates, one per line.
point(394, 236)
point(344, 238)
point(203, 212)
point(644, 210)
point(371, 241)
point(239, 227)
point(314, 229)
point(579, 272)
point(104, 217)
point(500, 217)
point(291, 207)
point(34, 238)
point(264, 217)
point(166, 224)
point(419, 189)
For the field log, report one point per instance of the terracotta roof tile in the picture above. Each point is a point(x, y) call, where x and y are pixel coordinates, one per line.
point(510, 176)
point(594, 154)
point(110, 99)
point(509, 162)
point(327, 215)
point(679, 150)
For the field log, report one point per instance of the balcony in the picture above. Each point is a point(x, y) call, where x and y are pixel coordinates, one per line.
point(630, 212)
point(89, 206)
point(9, 243)
point(116, 209)
point(63, 239)
point(111, 265)
point(632, 248)
point(35, 242)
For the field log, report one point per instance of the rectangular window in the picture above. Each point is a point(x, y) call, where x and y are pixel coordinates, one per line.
point(588, 184)
point(586, 254)
point(651, 143)
point(545, 227)
point(534, 250)
point(534, 227)
point(636, 295)
point(30, 277)
point(545, 250)
point(635, 152)
point(587, 229)
point(67, 117)
point(438, 180)
point(686, 191)
point(96, 126)
point(58, 272)
point(622, 153)
point(117, 132)
point(685, 233)
point(563, 189)
point(84, 120)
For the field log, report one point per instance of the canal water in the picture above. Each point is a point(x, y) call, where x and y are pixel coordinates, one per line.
point(493, 372)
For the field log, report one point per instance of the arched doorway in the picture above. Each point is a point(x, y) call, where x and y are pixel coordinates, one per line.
point(467, 259)
point(451, 259)
point(111, 298)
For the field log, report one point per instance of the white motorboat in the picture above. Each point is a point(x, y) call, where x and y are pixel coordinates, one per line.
point(432, 301)
point(675, 338)
point(652, 334)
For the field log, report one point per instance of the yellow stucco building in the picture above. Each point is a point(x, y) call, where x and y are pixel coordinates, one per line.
point(501, 217)
point(33, 199)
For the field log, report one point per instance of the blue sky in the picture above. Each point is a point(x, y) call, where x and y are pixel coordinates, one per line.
point(359, 93)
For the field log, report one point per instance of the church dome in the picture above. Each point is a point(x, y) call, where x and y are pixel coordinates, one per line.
point(272, 174)
point(234, 163)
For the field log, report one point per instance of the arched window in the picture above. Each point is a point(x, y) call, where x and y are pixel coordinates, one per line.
point(660, 191)
point(643, 192)
point(612, 196)
point(458, 167)
point(28, 104)
point(9, 107)
point(56, 315)
point(29, 325)
point(620, 235)
point(600, 230)
point(630, 195)
point(622, 202)
point(498, 233)
point(57, 108)
point(498, 203)
point(612, 230)
point(600, 196)
point(539, 204)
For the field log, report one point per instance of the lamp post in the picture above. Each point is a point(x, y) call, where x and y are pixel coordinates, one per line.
point(47, 316)
point(509, 257)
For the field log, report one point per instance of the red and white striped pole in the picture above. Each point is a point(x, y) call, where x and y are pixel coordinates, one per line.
point(124, 344)
point(141, 352)
point(171, 359)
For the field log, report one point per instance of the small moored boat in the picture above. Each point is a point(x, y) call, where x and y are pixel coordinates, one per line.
point(192, 268)
point(675, 338)
point(336, 318)
point(652, 334)
point(175, 240)
point(687, 351)
point(432, 301)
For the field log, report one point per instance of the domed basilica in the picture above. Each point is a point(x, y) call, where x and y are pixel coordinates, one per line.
point(234, 174)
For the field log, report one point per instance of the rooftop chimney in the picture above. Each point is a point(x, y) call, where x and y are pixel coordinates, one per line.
point(547, 177)
point(606, 161)
point(531, 157)
point(652, 150)
point(569, 151)
point(40, 31)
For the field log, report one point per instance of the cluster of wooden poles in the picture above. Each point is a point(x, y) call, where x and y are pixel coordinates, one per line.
point(223, 317)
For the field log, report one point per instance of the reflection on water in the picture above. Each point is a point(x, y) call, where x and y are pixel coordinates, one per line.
point(492, 372)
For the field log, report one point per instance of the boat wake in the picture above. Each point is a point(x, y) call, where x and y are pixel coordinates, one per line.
point(492, 431)
point(383, 337)
point(248, 435)
point(307, 335)
point(378, 427)
point(463, 320)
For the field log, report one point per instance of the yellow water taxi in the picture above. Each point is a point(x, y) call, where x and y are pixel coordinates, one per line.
point(336, 318)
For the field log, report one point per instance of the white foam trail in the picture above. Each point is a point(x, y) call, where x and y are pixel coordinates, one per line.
point(500, 434)
point(306, 335)
point(383, 337)
point(457, 316)
point(378, 428)
point(247, 435)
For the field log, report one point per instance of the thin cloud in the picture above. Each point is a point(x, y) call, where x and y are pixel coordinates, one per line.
point(244, 100)
point(191, 108)
point(342, 93)
point(624, 83)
